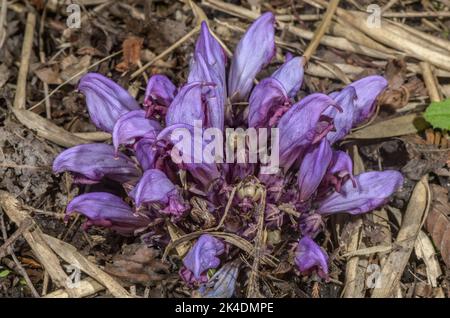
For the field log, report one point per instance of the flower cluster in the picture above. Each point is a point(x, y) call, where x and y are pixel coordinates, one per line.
point(315, 179)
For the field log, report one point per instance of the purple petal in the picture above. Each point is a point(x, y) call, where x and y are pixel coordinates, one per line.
point(160, 92)
point(310, 257)
point(188, 106)
point(92, 162)
point(267, 103)
point(155, 187)
point(106, 100)
point(146, 153)
point(372, 190)
point(107, 210)
point(367, 91)
point(133, 125)
point(222, 284)
point(302, 125)
point(339, 171)
point(313, 168)
point(255, 50)
point(343, 121)
point(203, 255)
point(290, 75)
point(213, 95)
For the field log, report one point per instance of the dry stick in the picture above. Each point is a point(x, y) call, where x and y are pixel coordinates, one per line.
point(48, 106)
point(3, 13)
point(320, 30)
point(35, 239)
point(395, 264)
point(253, 286)
point(397, 38)
point(57, 88)
point(21, 90)
point(351, 268)
point(430, 81)
point(22, 228)
point(331, 41)
point(84, 288)
point(20, 268)
point(166, 52)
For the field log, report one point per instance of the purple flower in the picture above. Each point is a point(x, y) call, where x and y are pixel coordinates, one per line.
point(372, 190)
point(268, 102)
point(146, 153)
point(188, 106)
point(302, 125)
point(339, 170)
point(188, 277)
point(190, 150)
point(203, 255)
point(255, 50)
point(313, 168)
point(107, 210)
point(92, 162)
point(106, 100)
point(343, 121)
point(133, 125)
point(159, 93)
point(290, 75)
point(367, 91)
point(310, 257)
point(155, 187)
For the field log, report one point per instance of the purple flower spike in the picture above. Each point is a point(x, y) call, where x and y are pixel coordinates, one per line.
point(343, 121)
point(107, 210)
point(367, 91)
point(159, 93)
point(313, 168)
point(302, 125)
point(203, 255)
point(255, 50)
point(310, 257)
point(155, 187)
point(133, 125)
point(372, 190)
point(106, 100)
point(92, 162)
point(290, 75)
point(268, 102)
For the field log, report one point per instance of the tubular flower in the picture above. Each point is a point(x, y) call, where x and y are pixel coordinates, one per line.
point(89, 163)
point(172, 172)
point(106, 100)
point(203, 255)
point(159, 94)
point(247, 60)
point(107, 210)
point(310, 257)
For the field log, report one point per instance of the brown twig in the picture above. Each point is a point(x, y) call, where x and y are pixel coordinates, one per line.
point(165, 52)
point(20, 97)
point(332, 6)
point(19, 266)
point(430, 81)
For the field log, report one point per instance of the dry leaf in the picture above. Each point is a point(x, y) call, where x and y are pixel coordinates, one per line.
point(131, 53)
point(438, 221)
point(48, 75)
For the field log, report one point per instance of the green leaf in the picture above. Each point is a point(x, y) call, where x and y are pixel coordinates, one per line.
point(438, 114)
point(4, 273)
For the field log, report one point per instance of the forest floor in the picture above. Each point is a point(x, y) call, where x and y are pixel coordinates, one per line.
point(42, 113)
